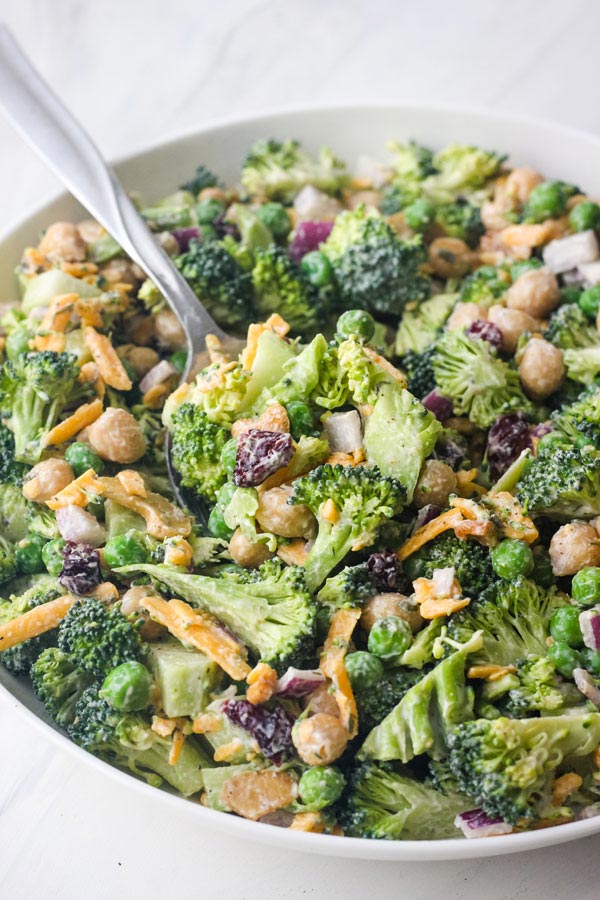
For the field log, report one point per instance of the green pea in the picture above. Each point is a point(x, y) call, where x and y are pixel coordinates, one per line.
point(546, 201)
point(128, 687)
point(512, 558)
point(28, 555)
point(364, 669)
point(584, 216)
point(275, 217)
point(52, 556)
point(179, 360)
point(225, 495)
point(589, 301)
point(317, 268)
point(81, 457)
point(389, 638)
point(208, 210)
point(321, 786)
point(216, 525)
point(591, 660)
point(356, 322)
point(228, 456)
point(301, 418)
point(565, 658)
point(565, 628)
point(542, 572)
point(17, 342)
point(125, 550)
point(419, 214)
point(585, 586)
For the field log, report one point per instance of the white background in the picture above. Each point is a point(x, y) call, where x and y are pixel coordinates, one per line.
point(136, 71)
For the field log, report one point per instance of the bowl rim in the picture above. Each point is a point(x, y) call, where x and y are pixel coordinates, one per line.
point(328, 845)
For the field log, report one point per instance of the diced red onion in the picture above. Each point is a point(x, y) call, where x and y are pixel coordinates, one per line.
point(307, 237)
point(570, 252)
point(589, 622)
point(585, 684)
point(441, 407)
point(475, 823)
point(344, 432)
point(77, 524)
point(159, 373)
point(298, 682)
point(310, 203)
point(183, 236)
point(426, 514)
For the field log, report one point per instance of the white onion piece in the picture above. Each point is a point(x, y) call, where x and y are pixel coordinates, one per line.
point(586, 685)
point(588, 812)
point(589, 273)
point(474, 823)
point(344, 432)
point(575, 276)
point(373, 170)
point(443, 581)
point(570, 252)
point(589, 622)
point(298, 682)
point(77, 524)
point(311, 203)
point(159, 373)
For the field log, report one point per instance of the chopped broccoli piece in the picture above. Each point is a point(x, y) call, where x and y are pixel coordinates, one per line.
point(580, 419)
point(461, 170)
point(278, 171)
point(470, 559)
point(562, 483)
point(8, 563)
point(58, 684)
point(570, 329)
point(203, 178)
point(383, 804)
point(97, 638)
point(126, 740)
point(514, 617)
point(270, 610)
point(363, 499)
point(364, 375)
point(15, 513)
point(583, 364)
point(484, 286)
point(479, 384)
point(374, 705)
point(460, 219)
point(507, 764)
point(11, 471)
point(374, 270)
point(538, 689)
point(240, 513)
point(196, 445)
point(411, 163)
point(425, 716)
point(348, 589)
point(421, 324)
point(18, 660)
point(280, 286)
point(218, 281)
point(419, 371)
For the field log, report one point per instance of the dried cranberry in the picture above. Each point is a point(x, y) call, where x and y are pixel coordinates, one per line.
point(81, 568)
point(385, 569)
point(271, 728)
point(440, 406)
point(507, 438)
point(260, 454)
point(485, 331)
point(308, 236)
point(451, 452)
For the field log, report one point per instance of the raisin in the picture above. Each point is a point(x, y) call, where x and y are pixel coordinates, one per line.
point(485, 331)
point(80, 572)
point(385, 570)
point(260, 454)
point(271, 728)
point(507, 438)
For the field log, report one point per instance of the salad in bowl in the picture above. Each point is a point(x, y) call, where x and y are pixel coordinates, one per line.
point(376, 612)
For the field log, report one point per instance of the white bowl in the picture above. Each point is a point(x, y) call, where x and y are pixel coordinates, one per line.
point(350, 131)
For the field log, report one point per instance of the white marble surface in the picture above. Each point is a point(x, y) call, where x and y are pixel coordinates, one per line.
point(138, 70)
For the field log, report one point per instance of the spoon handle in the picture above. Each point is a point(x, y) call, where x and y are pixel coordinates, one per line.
point(58, 138)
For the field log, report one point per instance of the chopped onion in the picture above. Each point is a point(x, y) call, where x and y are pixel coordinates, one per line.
point(589, 273)
point(475, 823)
point(298, 682)
point(443, 581)
point(184, 236)
point(574, 276)
point(585, 683)
point(77, 524)
point(440, 406)
point(570, 252)
point(373, 170)
point(589, 622)
point(311, 203)
point(159, 373)
point(588, 812)
point(425, 515)
point(344, 432)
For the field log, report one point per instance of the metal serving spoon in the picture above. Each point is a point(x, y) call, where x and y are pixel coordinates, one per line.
point(57, 137)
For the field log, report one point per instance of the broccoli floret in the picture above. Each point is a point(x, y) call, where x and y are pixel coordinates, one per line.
point(365, 377)
point(479, 384)
point(8, 563)
point(461, 170)
point(562, 483)
point(461, 220)
point(538, 689)
point(280, 286)
point(126, 740)
point(411, 162)
point(470, 559)
point(18, 660)
point(427, 713)
point(277, 171)
point(419, 371)
point(219, 391)
point(35, 388)
point(348, 589)
point(374, 270)
point(581, 418)
point(583, 364)
point(196, 445)
point(11, 471)
point(506, 764)
point(240, 513)
point(421, 323)
point(399, 435)
point(271, 610)
point(484, 286)
point(374, 705)
point(383, 804)
point(98, 638)
point(363, 499)
point(203, 178)
point(174, 211)
point(58, 684)
point(570, 329)
point(218, 281)
point(514, 617)
point(15, 513)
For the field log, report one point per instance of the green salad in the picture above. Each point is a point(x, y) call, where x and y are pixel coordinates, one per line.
point(377, 611)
